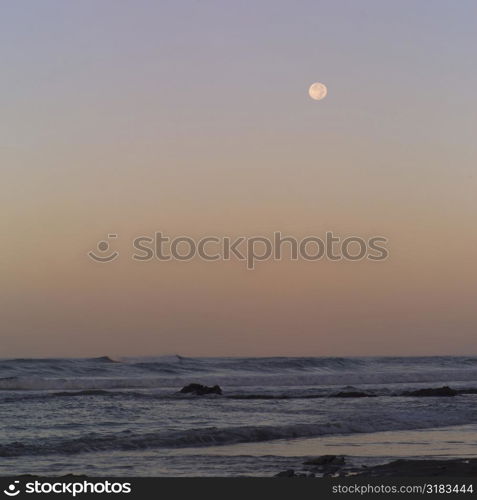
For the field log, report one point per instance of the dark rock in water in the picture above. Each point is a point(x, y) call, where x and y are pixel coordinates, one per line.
point(439, 391)
point(200, 390)
point(353, 394)
point(326, 460)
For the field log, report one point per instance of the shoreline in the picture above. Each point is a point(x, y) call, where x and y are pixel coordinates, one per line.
point(335, 466)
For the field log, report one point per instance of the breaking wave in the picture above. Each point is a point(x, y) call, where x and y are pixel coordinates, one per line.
point(213, 436)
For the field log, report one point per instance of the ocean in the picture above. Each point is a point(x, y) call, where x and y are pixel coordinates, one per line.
point(126, 416)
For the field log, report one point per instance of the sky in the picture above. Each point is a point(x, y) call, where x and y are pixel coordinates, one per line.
point(193, 118)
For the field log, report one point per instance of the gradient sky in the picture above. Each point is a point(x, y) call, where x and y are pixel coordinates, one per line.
point(192, 117)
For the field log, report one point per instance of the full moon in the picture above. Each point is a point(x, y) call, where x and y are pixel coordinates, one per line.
point(317, 91)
